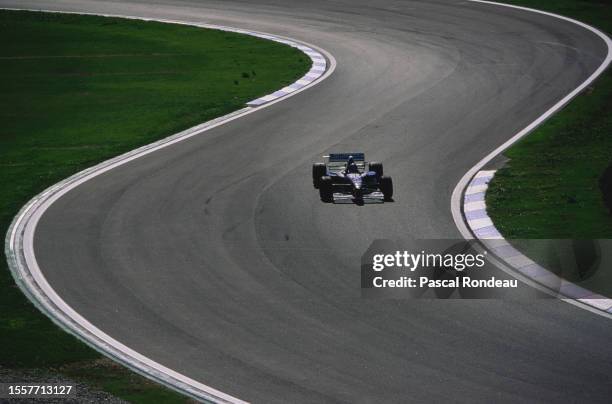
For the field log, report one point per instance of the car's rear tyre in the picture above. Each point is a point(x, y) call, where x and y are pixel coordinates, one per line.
point(377, 168)
point(326, 190)
point(318, 171)
point(386, 187)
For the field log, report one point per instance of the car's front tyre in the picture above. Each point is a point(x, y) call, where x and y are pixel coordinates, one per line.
point(386, 187)
point(318, 171)
point(326, 189)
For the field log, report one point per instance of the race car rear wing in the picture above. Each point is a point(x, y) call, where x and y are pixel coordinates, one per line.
point(343, 157)
point(337, 161)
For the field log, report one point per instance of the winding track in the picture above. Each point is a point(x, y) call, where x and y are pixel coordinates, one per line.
point(215, 257)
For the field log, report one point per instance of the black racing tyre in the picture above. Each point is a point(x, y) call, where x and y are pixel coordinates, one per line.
point(318, 171)
point(386, 187)
point(377, 168)
point(326, 190)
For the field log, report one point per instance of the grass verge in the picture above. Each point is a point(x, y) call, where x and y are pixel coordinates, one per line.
point(77, 90)
point(549, 189)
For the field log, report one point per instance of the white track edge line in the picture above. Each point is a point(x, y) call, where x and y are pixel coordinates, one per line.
point(457, 195)
point(28, 275)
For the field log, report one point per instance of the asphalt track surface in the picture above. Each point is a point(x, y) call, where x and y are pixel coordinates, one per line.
point(216, 258)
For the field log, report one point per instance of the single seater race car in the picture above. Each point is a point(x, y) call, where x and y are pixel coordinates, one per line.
point(344, 178)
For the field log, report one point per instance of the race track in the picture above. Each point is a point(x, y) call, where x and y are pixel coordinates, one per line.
point(216, 258)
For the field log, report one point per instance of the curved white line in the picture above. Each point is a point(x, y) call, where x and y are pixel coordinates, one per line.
point(457, 196)
point(29, 277)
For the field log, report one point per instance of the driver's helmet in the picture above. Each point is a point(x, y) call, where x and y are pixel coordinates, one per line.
point(351, 167)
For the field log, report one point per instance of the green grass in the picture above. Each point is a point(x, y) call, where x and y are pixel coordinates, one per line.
point(77, 90)
point(549, 189)
point(106, 375)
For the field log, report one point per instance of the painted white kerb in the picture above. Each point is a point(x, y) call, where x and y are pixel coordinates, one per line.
point(19, 246)
point(481, 225)
point(460, 188)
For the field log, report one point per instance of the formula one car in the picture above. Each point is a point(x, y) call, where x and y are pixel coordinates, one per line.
point(344, 178)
